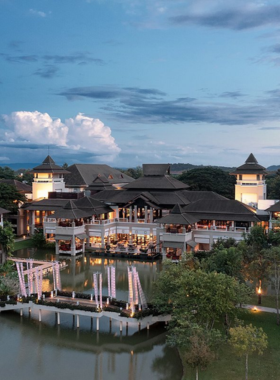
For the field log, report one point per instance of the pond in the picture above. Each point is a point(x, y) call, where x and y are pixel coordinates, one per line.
point(33, 350)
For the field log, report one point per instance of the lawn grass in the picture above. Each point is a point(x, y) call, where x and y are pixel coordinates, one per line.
point(230, 367)
point(267, 301)
point(23, 244)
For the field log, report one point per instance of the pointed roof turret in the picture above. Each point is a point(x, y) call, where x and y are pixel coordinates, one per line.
point(251, 166)
point(251, 159)
point(49, 166)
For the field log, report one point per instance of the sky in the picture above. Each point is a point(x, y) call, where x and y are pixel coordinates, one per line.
point(126, 82)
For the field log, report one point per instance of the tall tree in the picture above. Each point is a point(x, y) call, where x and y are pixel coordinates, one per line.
point(273, 256)
point(6, 172)
point(247, 340)
point(210, 179)
point(6, 240)
point(10, 197)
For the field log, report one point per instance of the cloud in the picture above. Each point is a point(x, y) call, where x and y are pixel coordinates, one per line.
point(34, 127)
point(150, 106)
point(110, 92)
point(81, 134)
point(231, 94)
point(237, 18)
point(80, 58)
point(34, 12)
point(48, 60)
point(47, 72)
point(91, 134)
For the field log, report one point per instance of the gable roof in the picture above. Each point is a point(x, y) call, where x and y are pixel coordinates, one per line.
point(274, 208)
point(221, 210)
point(49, 166)
point(4, 211)
point(20, 186)
point(156, 183)
point(84, 175)
point(177, 216)
point(156, 169)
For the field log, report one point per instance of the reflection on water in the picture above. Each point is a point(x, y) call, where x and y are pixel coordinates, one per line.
point(78, 275)
point(33, 350)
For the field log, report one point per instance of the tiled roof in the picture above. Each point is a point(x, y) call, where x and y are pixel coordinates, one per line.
point(84, 175)
point(49, 166)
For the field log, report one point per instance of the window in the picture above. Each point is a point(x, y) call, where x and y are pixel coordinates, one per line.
point(258, 177)
point(110, 176)
point(240, 177)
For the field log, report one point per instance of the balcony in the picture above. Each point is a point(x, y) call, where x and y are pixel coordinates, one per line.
point(176, 237)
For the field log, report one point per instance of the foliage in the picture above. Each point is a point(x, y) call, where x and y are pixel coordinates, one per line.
point(225, 260)
point(272, 255)
point(202, 298)
point(6, 173)
point(247, 340)
point(24, 175)
point(133, 172)
point(257, 239)
point(209, 179)
point(7, 239)
point(39, 240)
point(10, 197)
point(273, 186)
point(199, 351)
point(225, 243)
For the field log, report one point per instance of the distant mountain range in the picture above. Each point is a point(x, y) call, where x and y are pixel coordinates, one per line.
point(175, 168)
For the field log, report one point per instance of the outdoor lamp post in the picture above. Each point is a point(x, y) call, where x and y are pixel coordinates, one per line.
point(259, 296)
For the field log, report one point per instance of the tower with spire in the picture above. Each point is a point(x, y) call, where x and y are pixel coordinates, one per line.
point(250, 185)
point(48, 177)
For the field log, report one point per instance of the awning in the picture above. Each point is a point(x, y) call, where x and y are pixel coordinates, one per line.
point(171, 244)
point(81, 236)
point(192, 243)
point(63, 237)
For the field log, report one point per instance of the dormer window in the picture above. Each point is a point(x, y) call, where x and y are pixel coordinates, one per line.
point(110, 176)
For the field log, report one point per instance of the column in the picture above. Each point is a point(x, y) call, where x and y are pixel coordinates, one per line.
point(78, 321)
point(214, 224)
point(163, 253)
point(135, 214)
point(146, 214)
point(58, 318)
point(130, 214)
point(120, 326)
point(117, 213)
point(40, 315)
point(57, 247)
point(73, 245)
point(97, 324)
point(31, 222)
point(102, 236)
point(151, 215)
point(232, 225)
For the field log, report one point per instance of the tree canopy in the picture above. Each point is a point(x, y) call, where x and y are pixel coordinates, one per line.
point(10, 197)
point(7, 173)
point(210, 179)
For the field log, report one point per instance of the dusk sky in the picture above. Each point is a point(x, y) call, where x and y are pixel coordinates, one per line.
point(126, 82)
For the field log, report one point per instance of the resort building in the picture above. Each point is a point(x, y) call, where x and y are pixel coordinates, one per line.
point(155, 214)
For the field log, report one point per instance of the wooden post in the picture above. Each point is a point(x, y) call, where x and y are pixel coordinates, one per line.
point(58, 318)
point(120, 326)
point(21, 312)
point(97, 324)
point(78, 321)
point(40, 315)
